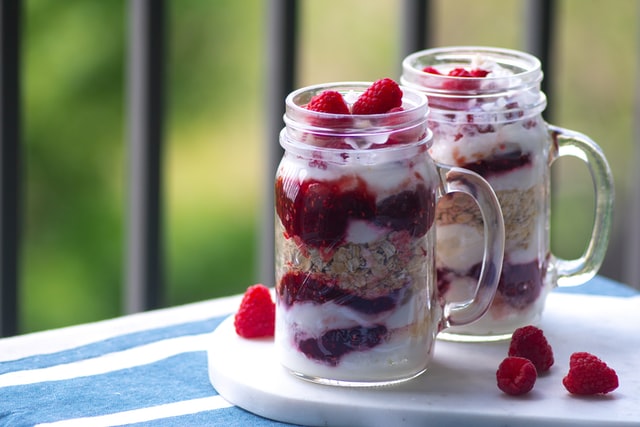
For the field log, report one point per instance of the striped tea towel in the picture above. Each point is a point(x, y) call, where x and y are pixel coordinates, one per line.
point(148, 369)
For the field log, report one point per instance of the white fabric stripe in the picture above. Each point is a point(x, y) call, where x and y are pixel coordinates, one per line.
point(146, 414)
point(55, 340)
point(109, 362)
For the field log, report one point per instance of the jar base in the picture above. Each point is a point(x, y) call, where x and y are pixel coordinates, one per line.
point(354, 384)
point(453, 337)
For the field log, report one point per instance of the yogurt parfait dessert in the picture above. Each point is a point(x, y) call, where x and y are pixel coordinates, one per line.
point(485, 116)
point(355, 197)
point(513, 158)
point(355, 203)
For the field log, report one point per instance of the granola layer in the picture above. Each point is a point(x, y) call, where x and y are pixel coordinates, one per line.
point(370, 269)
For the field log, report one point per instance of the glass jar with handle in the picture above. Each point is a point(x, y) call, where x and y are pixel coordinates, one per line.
point(486, 107)
point(355, 196)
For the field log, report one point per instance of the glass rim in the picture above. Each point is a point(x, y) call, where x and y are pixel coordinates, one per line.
point(369, 155)
point(365, 133)
point(526, 68)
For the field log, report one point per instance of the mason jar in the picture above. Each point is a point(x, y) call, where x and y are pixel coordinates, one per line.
point(355, 195)
point(486, 107)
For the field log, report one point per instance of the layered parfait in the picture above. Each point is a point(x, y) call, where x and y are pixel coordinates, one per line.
point(355, 196)
point(485, 117)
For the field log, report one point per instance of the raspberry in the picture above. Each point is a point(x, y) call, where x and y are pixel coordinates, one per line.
point(529, 342)
point(460, 84)
point(382, 96)
point(328, 101)
point(589, 375)
point(516, 375)
point(257, 313)
point(459, 72)
point(478, 72)
point(431, 70)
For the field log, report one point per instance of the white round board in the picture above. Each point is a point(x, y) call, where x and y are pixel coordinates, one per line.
point(459, 388)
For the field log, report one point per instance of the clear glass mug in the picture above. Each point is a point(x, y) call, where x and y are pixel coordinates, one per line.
point(355, 196)
point(490, 121)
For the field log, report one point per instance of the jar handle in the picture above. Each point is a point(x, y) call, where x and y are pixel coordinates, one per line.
point(455, 179)
point(570, 143)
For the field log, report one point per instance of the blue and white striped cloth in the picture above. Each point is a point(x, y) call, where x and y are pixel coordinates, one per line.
point(147, 369)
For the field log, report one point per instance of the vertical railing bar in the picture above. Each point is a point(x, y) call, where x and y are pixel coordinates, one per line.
point(144, 262)
point(282, 24)
point(10, 167)
point(631, 267)
point(415, 26)
point(539, 19)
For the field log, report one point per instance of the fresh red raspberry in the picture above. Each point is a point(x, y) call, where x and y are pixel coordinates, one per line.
point(516, 375)
point(589, 375)
point(431, 70)
point(462, 72)
point(257, 313)
point(459, 72)
point(464, 85)
point(529, 342)
point(328, 101)
point(478, 72)
point(380, 97)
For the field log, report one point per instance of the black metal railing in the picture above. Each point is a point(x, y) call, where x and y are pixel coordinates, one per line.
point(10, 164)
point(146, 88)
point(144, 277)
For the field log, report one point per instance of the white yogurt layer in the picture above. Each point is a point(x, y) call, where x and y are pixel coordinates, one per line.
point(310, 320)
point(383, 178)
point(399, 358)
point(405, 351)
point(460, 247)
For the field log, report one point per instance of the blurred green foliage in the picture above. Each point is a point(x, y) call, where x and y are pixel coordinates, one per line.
point(73, 128)
point(74, 62)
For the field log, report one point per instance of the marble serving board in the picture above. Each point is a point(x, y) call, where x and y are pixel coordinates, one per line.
point(459, 388)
